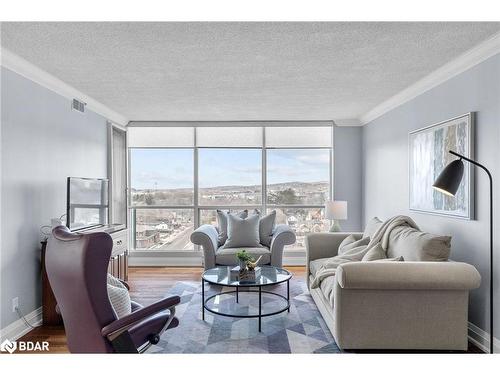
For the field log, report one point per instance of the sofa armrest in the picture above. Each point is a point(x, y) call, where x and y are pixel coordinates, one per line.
point(207, 237)
point(325, 244)
point(283, 235)
point(408, 275)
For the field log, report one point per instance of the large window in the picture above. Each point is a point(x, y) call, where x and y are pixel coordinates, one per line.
point(229, 177)
point(180, 176)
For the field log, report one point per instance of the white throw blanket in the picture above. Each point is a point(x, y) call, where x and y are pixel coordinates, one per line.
point(355, 255)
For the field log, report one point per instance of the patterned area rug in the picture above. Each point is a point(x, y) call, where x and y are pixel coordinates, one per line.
point(302, 330)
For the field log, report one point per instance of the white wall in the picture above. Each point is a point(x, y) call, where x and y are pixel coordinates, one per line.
point(385, 170)
point(43, 142)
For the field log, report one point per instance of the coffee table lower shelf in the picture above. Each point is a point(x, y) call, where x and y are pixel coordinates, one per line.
point(260, 315)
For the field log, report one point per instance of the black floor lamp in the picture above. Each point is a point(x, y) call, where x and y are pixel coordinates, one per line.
point(448, 182)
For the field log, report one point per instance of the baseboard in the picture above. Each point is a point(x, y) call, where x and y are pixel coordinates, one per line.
point(18, 329)
point(481, 339)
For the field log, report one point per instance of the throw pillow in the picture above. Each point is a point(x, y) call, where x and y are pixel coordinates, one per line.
point(375, 253)
point(119, 297)
point(362, 242)
point(266, 227)
point(222, 224)
point(372, 226)
point(417, 246)
point(242, 232)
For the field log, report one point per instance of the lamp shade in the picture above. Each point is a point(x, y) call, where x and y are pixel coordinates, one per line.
point(336, 210)
point(449, 179)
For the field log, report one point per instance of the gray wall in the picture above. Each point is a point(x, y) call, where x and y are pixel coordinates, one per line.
point(43, 141)
point(385, 169)
point(347, 177)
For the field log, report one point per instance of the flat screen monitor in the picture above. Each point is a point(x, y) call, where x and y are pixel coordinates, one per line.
point(87, 202)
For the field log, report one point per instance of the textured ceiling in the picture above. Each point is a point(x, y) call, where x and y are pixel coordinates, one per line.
point(241, 71)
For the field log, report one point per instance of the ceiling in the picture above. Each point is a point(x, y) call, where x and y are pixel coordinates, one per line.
point(241, 71)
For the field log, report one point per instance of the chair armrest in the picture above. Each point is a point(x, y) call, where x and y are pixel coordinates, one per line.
point(326, 244)
point(408, 275)
point(116, 328)
point(283, 235)
point(207, 237)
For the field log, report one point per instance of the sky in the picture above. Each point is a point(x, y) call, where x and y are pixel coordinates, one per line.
point(173, 168)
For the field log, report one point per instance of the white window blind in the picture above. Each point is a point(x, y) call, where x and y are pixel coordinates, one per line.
point(161, 136)
point(229, 137)
point(317, 136)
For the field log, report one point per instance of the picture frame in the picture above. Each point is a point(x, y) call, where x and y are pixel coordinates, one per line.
point(428, 155)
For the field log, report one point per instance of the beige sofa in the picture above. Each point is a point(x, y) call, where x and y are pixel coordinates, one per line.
point(419, 303)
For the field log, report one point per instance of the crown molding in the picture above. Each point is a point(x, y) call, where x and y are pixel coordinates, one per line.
point(348, 122)
point(22, 67)
point(467, 60)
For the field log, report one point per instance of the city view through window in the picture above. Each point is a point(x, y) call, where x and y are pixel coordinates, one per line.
point(162, 190)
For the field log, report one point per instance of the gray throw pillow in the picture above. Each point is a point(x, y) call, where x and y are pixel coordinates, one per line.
point(242, 232)
point(352, 245)
point(266, 227)
point(222, 224)
point(375, 253)
point(119, 297)
point(372, 226)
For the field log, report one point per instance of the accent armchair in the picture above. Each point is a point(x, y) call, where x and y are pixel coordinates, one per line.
point(207, 237)
point(77, 267)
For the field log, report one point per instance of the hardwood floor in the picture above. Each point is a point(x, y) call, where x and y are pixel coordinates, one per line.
point(147, 285)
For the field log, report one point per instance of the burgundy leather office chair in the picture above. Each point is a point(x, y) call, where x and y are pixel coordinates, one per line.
point(77, 267)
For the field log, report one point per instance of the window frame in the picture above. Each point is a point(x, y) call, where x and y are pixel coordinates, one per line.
point(197, 208)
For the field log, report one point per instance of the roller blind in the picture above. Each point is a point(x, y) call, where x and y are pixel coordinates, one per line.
point(229, 137)
point(161, 136)
point(317, 136)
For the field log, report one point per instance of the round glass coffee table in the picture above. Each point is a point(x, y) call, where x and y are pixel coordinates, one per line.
point(270, 275)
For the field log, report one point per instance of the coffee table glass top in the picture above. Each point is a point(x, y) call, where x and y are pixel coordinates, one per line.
point(270, 275)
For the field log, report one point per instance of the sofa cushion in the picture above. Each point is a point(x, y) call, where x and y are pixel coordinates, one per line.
point(222, 224)
point(372, 226)
point(227, 256)
point(266, 227)
point(414, 245)
point(314, 265)
point(352, 245)
point(242, 232)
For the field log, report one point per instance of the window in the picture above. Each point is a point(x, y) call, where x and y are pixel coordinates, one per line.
point(161, 180)
point(229, 177)
point(180, 176)
point(161, 177)
point(298, 176)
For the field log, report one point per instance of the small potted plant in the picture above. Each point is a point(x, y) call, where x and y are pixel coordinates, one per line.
point(243, 258)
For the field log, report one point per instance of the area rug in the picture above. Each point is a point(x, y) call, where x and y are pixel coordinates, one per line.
point(302, 330)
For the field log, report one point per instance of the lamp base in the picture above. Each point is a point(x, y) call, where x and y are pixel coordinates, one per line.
point(335, 227)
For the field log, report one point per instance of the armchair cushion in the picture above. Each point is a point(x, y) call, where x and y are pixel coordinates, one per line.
point(227, 256)
point(222, 224)
point(266, 227)
point(242, 232)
